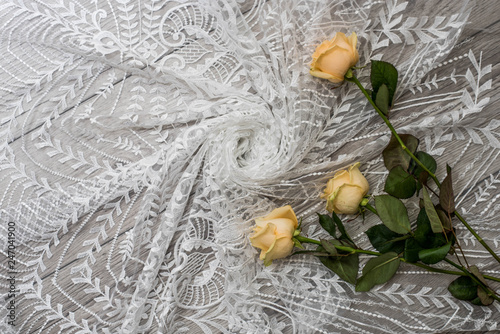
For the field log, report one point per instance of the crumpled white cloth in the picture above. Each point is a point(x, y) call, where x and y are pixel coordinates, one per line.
point(139, 139)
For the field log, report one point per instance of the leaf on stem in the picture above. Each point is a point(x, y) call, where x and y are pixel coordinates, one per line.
point(346, 267)
point(463, 288)
point(400, 184)
point(394, 155)
point(378, 270)
point(392, 213)
point(412, 249)
point(436, 225)
point(446, 197)
point(382, 239)
point(297, 243)
point(445, 219)
point(424, 235)
point(383, 73)
point(329, 246)
point(382, 99)
point(427, 160)
point(327, 223)
point(475, 271)
point(343, 232)
point(484, 298)
point(434, 255)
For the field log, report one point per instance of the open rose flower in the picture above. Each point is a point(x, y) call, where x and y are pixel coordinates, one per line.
point(332, 59)
point(345, 191)
point(273, 234)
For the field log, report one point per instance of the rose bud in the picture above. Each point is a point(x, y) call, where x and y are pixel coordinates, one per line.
point(332, 59)
point(345, 191)
point(273, 234)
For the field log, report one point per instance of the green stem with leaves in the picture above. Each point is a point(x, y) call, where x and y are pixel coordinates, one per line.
point(462, 272)
point(393, 131)
point(475, 279)
point(432, 175)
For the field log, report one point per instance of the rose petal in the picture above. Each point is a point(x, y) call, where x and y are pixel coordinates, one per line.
point(335, 61)
point(347, 199)
point(320, 49)
point(326, 76)
point(353, 40)
point(358, 179)
point(341, 178)
point(284, 227)
point(329, 189)
point(281, 248)
point(282, 212)
point(264, 237)
point(340, 39)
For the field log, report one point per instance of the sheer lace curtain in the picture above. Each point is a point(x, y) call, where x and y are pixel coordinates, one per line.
point(138, 140)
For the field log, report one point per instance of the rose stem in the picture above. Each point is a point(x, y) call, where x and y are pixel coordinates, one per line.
point(481, 241)
point(395, 134)
point(371, 208)
point(428, 268)
point(393, 131)
point(491, 278)
point(306, 240)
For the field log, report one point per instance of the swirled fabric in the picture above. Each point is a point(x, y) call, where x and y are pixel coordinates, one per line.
point(139, 139)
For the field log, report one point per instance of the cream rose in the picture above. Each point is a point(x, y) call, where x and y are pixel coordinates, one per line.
point(333, 58)
point(345, 190)
point(273, 234)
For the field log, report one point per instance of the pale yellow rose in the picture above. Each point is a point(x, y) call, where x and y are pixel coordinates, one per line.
point(333, 58)
point(273, 234)
point(345, 191)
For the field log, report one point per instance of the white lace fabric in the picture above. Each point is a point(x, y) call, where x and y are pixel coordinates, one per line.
point(138, 140)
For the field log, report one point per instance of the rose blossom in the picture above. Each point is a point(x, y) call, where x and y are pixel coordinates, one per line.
point(273, 234)
point(345, 191)
point(332, 59)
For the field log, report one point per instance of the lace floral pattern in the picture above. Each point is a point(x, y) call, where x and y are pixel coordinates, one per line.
point(139, 139)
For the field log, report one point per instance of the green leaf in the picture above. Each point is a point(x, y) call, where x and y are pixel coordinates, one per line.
point(475, 270)
point(476, 301)
point(463, 288)
point(400, 184)
point(445, 220)
point(415, 169)
point(329, 247)
point(423, 232)
point(394, 155)
point(393, 213)
point(446, 197)
point(434, 255)
point(424, 235)
point(382, 99)
point(343, 232)
point(297, 243)
point(378, 270)
point(427, 160)
point(484, 297)
point(346, 267)
point(327, 223)
point(383, 239)
point(436, 225)
point(383, 73)
point(412, 248)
